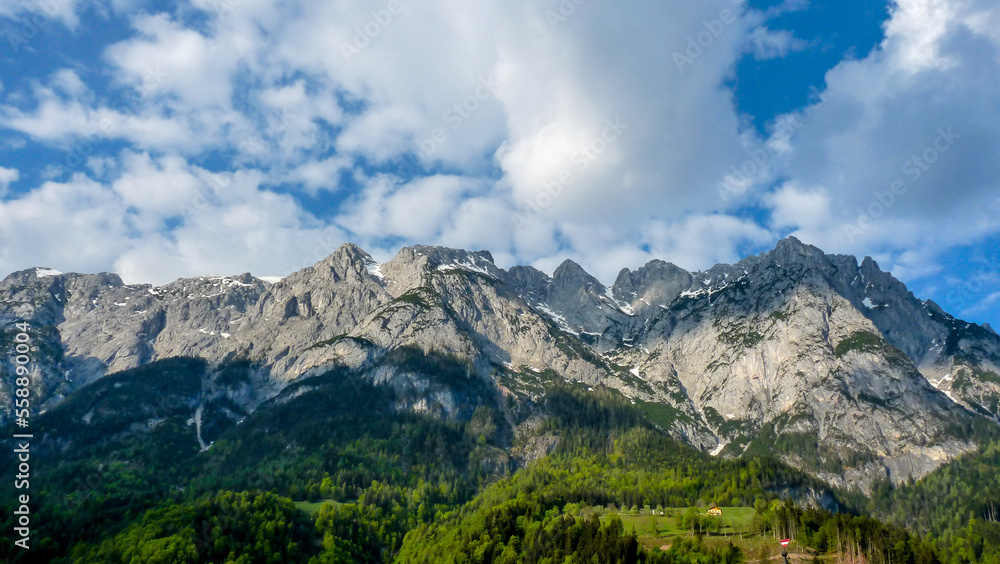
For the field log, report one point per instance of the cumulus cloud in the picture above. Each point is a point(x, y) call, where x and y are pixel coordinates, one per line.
point(319, 175)
point(36, 13)
point(79, 224)
point(226, 224)
point(797, 208)
point(677, 128)
point(603, 132)
point(180, 61)
point(160, 187)
point(418, 210)
point(902, 143)
point(765, 44)
point(7, 177)
point(77, 126)
point(245, 229)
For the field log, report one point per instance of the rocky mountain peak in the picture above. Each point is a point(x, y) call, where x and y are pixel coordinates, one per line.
point(348, 262)
point(533, 283)
point(30, 275)
point(656, 283)
point(796, 339)
point(245, 278)
point(412, 267)
point(45, 274)
point(434, 256)
point(350, 251)
point(571, 276)
point(569, 269)
point(485, 255)
point(791, 249)
point(870, 268)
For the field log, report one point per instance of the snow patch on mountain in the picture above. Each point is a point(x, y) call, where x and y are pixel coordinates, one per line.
point(374, 268)
point(465, 265)
point(559, 319)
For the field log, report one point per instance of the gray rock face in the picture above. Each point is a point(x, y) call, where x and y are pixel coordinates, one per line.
point(576, 301)
point(311, 306)
point(835, 366)
point(656, 283)
point(90, 325)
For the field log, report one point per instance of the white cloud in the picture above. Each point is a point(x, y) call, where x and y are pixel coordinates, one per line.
point(801, 209)
point(293, 115)
point(7, 177)
point(465, 77)
point(903, 143)
point(246, 229)
point(417, 211)
point(68, 82)
point(174, 60)
point(702, 241)
point(410, 72)
point(78, 225)
point(76, 126)
point(381, 133)
point(585, 136)
point(162, 186)
point(479, 223)
point(984, 305)
point(560, 87)
point(916, 30)
point(231, 225)
point(696, 242)
point(766, 44)
point(228, 224)
point(38, 13)
point(52, 120)
point(320, 175)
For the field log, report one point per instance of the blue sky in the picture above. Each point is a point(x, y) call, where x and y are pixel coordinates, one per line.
point(161, 140)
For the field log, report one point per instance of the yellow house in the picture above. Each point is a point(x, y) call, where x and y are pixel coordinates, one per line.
point(715, 512)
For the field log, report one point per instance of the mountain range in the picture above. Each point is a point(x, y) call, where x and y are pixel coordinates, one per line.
point(831, 365)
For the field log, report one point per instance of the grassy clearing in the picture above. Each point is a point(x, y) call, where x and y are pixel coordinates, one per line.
point(312, 507)
point(657, 531)
point(735, 519)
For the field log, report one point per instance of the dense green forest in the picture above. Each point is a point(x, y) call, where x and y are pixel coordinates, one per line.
point(958, 504)
point(134, 484)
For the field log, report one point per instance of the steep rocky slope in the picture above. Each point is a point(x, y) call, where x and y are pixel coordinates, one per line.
point(831, 364)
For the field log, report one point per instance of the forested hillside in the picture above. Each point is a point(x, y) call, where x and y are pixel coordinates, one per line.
point(331, 471)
